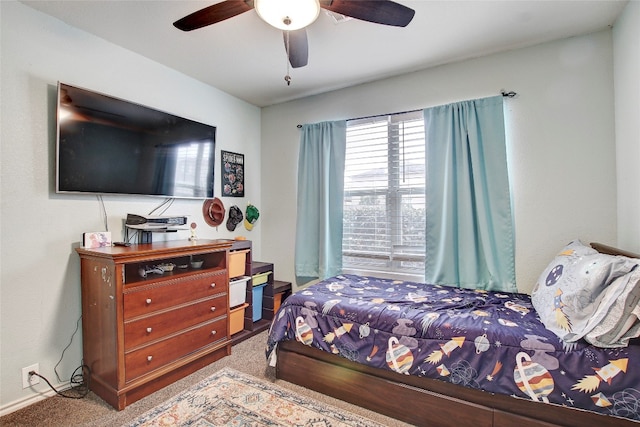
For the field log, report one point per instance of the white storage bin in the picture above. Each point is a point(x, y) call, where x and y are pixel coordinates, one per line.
point(238, 291)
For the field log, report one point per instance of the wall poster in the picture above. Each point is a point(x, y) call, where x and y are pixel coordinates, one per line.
point(232, 174)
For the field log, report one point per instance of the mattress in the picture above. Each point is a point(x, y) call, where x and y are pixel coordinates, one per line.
point(490, 341)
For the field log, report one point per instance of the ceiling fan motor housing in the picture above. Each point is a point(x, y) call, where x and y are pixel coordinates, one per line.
point(288, 14)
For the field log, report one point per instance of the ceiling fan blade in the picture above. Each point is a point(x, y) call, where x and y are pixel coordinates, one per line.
point(212, 14)
point(297, 47)
point(384, 12)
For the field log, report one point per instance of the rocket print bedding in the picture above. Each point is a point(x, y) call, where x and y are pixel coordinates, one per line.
point(491, 341)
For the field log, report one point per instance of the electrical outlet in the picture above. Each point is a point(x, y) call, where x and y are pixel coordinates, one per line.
point(28, 382)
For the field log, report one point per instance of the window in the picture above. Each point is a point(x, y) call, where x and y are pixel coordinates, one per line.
point(384, 195)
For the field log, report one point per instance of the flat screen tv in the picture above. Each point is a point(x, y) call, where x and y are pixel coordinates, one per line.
point(107, 145)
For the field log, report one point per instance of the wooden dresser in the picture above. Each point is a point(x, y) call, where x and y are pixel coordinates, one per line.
point(143, 330)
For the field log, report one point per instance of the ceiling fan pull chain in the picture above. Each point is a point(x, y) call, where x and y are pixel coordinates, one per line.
point(287, 78)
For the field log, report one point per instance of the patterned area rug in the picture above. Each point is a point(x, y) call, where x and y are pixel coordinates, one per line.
point(231, 398)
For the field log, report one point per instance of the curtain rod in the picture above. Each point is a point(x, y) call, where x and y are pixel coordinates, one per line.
point(504, 93)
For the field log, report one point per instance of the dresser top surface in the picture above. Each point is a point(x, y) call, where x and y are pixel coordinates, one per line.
point(184, 247)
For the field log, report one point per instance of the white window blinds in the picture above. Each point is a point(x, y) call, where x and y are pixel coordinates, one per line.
point(384, 197)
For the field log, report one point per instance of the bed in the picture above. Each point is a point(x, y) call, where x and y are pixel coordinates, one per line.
point(442, 356)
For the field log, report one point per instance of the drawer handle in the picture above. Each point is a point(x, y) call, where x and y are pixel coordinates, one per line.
point(213, 309)
point(149, 330)
point(148, 301)
point(149, 358)
point(213, 285)
point(214, 332)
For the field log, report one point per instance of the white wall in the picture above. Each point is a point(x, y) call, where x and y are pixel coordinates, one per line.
point(40, 273)
point(626, 50)
point(560, 132)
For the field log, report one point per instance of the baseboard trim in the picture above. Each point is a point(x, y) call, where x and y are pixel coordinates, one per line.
point(30, 400)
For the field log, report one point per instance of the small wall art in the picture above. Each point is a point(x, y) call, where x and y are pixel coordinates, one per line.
point(232, 174)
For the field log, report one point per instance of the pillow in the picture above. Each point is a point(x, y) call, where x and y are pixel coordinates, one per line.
point(621, 322)
point(568, 293)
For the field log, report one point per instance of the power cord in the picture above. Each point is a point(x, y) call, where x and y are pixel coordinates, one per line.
point(55, 368)
point(79, 386)
point(164, 206)
point(104, 212)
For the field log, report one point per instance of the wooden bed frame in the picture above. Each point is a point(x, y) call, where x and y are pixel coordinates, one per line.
point(424, 401)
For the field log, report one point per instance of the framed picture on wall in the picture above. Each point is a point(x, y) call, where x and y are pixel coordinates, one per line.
point(232, 174)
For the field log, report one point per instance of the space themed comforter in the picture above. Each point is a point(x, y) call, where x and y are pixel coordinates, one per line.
point(490, 341)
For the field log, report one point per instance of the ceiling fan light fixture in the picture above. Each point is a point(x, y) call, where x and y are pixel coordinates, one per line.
point(288, 15)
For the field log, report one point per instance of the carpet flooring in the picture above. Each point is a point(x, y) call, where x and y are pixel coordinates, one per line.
point(246, 357)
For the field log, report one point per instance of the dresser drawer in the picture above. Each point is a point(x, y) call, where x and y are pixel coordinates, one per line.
point(154, 356)
point(163, 294)
point(150, 328)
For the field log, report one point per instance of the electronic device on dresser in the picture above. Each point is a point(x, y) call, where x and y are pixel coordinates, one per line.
point(144, 226)
point(154, 221)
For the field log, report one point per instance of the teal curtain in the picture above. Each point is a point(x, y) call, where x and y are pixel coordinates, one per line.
point(469, 237)
point(318, 252)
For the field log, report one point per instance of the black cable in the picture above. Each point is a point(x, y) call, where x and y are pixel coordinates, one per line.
point(166, 204)
point(129, 238)
point(55, 368)
point(79, 386)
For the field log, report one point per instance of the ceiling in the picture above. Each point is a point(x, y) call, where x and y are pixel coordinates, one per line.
point(245, 57)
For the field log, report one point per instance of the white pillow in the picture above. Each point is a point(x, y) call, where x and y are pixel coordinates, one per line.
point(569, 291)
point(621, 321)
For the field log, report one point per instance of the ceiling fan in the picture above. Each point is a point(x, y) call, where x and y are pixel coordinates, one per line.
point(292, 16)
